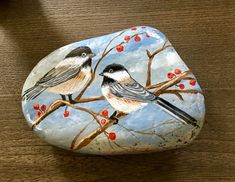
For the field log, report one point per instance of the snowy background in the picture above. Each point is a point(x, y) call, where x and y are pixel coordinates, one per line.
point(60, 131)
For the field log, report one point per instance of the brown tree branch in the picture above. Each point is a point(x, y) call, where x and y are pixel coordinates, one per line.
point(178, 92)
point(191, 91)
point(59, 103)
point(164, 82)
point(151, 58)
point(90, 99)
point(160, 89)
point(112, 41)
point(89, 138)
point(78, 135)
point(54, 106)
point(171, 82)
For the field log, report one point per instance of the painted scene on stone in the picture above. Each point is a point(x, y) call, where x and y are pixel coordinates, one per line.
point(122, 93)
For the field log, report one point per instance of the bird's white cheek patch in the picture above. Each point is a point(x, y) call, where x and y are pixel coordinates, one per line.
point(67, 102)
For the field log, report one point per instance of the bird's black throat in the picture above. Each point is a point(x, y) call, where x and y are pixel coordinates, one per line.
point(107, 81)
point(87, 63)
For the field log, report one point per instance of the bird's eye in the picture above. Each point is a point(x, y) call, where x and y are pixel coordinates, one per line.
point(111, 71)
point(83, 54)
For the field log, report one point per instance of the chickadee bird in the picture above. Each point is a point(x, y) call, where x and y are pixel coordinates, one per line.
point(126, 95)
point(69, 76)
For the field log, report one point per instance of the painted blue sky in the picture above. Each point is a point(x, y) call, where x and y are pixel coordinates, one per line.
point(60, 131)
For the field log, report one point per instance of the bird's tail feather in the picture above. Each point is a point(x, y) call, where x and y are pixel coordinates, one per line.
point(33, 92)
point(176, 112)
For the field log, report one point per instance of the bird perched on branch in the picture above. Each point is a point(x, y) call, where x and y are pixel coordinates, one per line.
point(69, 76)
point(126, 95)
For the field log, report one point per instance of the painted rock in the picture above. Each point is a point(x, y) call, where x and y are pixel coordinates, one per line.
point(126, 92)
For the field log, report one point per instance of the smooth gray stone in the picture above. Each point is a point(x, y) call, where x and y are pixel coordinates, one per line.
point(90, 126)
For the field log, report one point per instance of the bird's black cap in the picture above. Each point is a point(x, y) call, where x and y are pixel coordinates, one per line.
point(78, 51)
point(114, 67)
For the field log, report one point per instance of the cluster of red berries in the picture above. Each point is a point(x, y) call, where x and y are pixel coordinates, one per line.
point(137, 38)
point(134, 28)
point(170, 75)
point(40, 109)
point(105, 114)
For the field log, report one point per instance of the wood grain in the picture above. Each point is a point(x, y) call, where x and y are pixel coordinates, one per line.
point(201, 31)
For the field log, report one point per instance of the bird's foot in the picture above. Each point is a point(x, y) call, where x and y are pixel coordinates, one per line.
point(115, 120)
point(63, 97)
point(196, 126)
point(113, 117)
point(71, 101)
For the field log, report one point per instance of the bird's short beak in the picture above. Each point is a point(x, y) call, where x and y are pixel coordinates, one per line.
point(92, 55)
point(101, 74)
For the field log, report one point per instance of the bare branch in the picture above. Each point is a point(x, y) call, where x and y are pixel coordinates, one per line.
point(177, 94)
point(54, 106)
point(148, 53)
point(143, 133)
point(112, 41)
point(58, 103)
point(191, 91)
point(171, 82)
point(78, 135)
point(89, 138)
point(151, 58)
point(90, 99)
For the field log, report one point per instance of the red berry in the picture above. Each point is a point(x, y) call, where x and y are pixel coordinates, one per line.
point(137, 38)
point(177, 71)
point(36, 106)
point(181, 86)
point(66, 114)
point(43, 107)
point(38, 114)
point(127, 38)
point(133, 28)
point(143, 27)
point(147, 35)
point(119, 48)
point(192, 82)
point(103, 121)
point(170, 75)
point(112, 136)
point(105, 113)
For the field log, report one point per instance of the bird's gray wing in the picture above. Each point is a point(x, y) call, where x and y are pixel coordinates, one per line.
point(133, 91)
point(58, 75)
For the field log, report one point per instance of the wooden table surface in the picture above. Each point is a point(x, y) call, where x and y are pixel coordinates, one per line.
point(201, 31)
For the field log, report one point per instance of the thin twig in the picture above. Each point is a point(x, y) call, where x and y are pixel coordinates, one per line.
point(78, 135)
point(151, 58)
point(191, 91)
point(144, 133)
point(171, 82)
